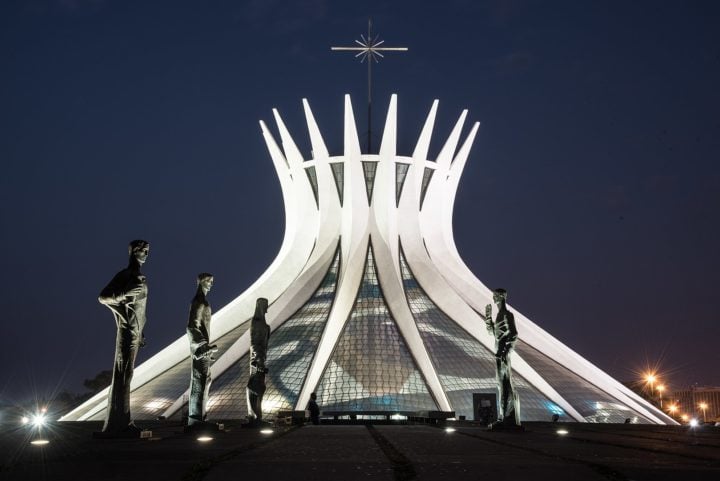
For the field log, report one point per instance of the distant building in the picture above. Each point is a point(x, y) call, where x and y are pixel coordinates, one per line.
point(689, 400)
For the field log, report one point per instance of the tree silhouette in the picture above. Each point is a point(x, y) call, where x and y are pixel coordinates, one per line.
point(99, 382)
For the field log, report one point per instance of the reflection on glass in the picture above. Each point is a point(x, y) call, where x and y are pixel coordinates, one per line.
point(290, 352)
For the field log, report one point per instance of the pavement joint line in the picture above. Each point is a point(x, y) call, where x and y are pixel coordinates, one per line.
point(712, 461)
point(403, 469)
point(651, 438)
point(198, 470)
point(601, 469)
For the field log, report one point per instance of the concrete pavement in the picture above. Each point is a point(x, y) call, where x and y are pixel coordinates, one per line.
point(352, 452)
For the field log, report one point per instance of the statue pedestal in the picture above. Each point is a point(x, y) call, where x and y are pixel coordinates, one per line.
point(255, 424)
point(132, 432)
point(203, 426)
point(500, 426)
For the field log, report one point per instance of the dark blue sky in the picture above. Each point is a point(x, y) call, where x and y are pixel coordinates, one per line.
point(598, 159)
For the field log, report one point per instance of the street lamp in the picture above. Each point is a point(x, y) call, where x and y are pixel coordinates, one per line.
point(703, 406)
point(660, 390)
point(650, 379)
point(672, 408)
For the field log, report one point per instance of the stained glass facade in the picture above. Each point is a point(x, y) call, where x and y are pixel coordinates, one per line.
point(227, 397)
point(463, 364)
point(152, 398)
point(371, 368)
point(427, 176)
point(290, 351)
point(312, 177)
point(369, 169)
point(401, 171)
point(338, 170)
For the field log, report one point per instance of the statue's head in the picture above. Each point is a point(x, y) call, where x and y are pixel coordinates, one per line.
point(205, 281)
point(499, 296)
point(139, 249)
point(261, 305)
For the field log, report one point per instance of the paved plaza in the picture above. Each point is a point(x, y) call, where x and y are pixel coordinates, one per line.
point(382, 451)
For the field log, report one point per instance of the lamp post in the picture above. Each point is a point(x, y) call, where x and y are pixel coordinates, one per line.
point(660, 390)
point(703, 406)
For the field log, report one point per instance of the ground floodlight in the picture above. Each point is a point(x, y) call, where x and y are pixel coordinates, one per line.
point(38, 420)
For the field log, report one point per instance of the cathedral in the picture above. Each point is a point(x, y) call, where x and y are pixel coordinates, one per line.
point(371, 306)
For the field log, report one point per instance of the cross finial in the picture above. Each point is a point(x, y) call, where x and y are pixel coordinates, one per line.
point(369, 48)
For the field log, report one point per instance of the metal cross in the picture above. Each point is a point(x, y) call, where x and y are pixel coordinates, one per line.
point(369, 48)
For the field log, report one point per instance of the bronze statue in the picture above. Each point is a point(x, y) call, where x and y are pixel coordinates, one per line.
point(506, 335)
point(259, 336)
point(198, 332)
point(126, 296)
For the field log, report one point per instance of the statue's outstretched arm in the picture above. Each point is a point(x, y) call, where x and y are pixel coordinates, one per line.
point(114, 293)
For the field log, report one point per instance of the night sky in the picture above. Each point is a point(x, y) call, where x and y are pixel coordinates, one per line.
point(591, 193)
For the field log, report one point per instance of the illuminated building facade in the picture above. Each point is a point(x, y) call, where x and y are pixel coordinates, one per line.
point(691, 401)
point(371, 306)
